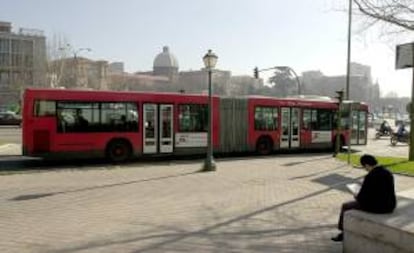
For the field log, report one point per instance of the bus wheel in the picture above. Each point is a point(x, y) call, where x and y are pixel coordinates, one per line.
point(264, 146)
point(118, 151)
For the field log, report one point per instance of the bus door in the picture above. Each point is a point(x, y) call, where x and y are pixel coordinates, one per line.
point(289, 137)
point(158, 128)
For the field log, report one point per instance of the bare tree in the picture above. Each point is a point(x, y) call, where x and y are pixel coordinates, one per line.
point(56, 52)
point(398, 13)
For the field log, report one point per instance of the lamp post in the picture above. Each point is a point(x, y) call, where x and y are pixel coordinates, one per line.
point(75, 52)
point(348, 60)
point(75, 58)
point(289, 69)
point(210, 60)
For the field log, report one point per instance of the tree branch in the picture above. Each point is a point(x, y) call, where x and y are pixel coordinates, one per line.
point(395, 12)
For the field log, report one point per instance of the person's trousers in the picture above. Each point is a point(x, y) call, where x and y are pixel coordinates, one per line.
point(345, 207)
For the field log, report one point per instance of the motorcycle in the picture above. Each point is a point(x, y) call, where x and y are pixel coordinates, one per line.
point(383, 132)
point(403, 138)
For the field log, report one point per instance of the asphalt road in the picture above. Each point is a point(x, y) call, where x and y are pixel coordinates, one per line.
point(10, 134)
point(10, 153)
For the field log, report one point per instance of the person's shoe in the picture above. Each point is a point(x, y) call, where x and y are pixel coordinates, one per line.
point(338, 238)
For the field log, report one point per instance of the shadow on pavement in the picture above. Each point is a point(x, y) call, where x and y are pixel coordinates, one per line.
point(10, 164)
point(212, 232)
point(43, 195)
point(319, 172)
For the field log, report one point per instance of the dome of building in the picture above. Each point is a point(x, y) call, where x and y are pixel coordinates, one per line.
point(165, 59)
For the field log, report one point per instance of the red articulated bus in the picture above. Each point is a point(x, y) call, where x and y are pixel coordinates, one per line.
point(60, 123)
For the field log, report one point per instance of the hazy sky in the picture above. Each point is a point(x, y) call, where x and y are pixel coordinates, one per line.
point(302, 34)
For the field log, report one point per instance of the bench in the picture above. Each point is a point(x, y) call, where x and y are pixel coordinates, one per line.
point(380, 233)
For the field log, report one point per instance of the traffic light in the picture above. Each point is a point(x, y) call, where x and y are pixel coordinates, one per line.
point(340, 96)
point(256, 72)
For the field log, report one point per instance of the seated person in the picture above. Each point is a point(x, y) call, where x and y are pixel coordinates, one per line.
point(377, 193)
point(80, 121)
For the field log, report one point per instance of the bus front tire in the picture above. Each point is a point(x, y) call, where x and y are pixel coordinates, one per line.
point(118, 151)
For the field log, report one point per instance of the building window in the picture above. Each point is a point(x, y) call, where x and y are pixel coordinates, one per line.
point(4, 45)
point(4, 79)
point(4, 59)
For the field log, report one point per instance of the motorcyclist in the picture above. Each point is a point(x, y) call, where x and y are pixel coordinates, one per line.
point(384, 128)
point(401, 130)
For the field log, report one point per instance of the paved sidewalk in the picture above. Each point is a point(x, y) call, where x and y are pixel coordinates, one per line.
point(282, 203)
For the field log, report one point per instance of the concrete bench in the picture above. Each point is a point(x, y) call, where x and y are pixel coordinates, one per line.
point(380, 233)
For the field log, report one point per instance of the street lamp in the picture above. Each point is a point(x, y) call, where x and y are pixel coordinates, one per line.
point(75, 53)
point(210, 60)
point(289, 69)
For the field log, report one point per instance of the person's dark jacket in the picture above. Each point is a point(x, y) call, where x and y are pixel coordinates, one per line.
point(377, 194)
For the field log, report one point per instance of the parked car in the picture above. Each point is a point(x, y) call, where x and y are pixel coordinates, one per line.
point(10, 119)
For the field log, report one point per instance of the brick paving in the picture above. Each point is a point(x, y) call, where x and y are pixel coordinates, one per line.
point(280, 203)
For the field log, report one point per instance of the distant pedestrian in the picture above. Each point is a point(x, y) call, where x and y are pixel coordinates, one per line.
point(377, 194)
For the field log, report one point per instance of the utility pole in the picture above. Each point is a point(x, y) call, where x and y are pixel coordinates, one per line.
point(411, 149)
point(348, 61)
point(405, 59)
point(338, 122)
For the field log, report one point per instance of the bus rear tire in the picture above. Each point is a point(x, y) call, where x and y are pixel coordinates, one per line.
point(264, 146)
point(118, 151)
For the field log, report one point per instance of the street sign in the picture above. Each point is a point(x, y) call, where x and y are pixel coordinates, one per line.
point(404, 56)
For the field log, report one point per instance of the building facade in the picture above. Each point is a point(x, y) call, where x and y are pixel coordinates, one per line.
point(166, 77)
point(361, 87)
point(78, 73)
point(23, 62)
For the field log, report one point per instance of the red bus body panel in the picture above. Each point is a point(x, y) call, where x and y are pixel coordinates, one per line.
point(41, 136)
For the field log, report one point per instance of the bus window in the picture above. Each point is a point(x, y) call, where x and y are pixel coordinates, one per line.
point(132, 118)
point(266, 118)
point(96, 117)
point(192, 118)
point(119, 117)
point(44, 108)
point(306, 119)
point(77, 116)
point(321, 119)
